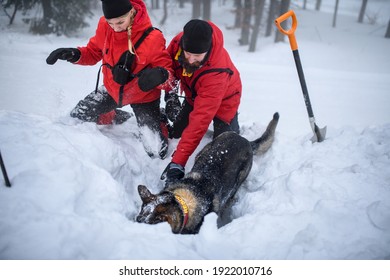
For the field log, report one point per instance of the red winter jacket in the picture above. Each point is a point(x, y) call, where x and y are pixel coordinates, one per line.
point(108, 45)
point(217, 93)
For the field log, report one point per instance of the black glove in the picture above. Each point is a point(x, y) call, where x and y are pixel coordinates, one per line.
point(172, 173)
point(149, 78)
point(69, 54)
point(172, 106)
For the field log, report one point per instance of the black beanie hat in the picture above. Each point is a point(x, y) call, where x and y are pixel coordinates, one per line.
point(115, 8)
point(197, 36)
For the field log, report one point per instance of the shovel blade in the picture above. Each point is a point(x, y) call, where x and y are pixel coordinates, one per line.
point(319, 134)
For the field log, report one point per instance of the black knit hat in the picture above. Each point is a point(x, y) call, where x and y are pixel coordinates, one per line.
point(115, 8)
point(197, 36)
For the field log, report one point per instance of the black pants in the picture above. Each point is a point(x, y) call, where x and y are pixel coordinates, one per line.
point(93, 105)
point(97, 103)
point(182, 120)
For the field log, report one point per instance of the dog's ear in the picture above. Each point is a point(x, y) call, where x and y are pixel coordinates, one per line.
point(145, 194)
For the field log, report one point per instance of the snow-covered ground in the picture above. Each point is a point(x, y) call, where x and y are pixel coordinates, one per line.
point(73, 193)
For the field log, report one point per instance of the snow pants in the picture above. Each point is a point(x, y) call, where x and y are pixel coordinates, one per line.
point(101, 108)
point(181, 122)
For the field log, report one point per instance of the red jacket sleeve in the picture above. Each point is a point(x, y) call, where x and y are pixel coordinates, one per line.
point(93, 52)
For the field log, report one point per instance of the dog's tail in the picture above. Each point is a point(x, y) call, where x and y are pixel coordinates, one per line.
point(262, 144)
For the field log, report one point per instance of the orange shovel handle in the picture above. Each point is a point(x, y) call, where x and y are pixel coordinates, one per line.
point(290, 32)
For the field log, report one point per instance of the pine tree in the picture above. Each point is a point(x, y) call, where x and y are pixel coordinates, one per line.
point(62, 17)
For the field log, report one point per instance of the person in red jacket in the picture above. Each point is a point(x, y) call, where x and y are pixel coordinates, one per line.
point(135, 64)
point(212, 87)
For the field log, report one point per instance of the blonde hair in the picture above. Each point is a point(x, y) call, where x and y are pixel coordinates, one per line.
point(132, 13)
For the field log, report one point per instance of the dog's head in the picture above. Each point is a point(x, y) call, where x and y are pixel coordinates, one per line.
point(158, 208)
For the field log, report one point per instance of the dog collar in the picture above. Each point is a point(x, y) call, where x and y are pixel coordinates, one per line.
point(184, 208)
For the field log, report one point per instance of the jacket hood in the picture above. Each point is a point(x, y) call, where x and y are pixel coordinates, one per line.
point(142, 19)
point(217, 44)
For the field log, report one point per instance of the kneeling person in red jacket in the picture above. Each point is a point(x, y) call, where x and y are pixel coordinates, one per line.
point(135, 66)
point(212, 87)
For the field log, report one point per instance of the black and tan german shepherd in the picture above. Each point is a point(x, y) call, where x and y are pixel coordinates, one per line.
point(219, 170)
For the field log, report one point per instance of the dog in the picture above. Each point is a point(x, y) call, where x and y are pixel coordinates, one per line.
point(219, 170)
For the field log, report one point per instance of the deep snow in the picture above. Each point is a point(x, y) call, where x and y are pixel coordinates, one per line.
point(73, 193)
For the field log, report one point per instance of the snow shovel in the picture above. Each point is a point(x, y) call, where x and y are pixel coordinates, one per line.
point(7, 182)
point(319, 133)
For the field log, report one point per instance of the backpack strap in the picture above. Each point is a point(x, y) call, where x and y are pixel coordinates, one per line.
point(146, 33)
point(212, 70)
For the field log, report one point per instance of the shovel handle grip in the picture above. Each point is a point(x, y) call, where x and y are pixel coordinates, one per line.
point(290, 32)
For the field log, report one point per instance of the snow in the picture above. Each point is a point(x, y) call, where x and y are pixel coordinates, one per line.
point(74, 185)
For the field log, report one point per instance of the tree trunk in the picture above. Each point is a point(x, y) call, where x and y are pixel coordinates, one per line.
point(206, 9)
point(181, 3)
point(259, 7)
point(245, 28)
point(335, 13)
point(165, 16)
point(238, 18)
point(42, 26)
point(16, 8)
point(196, 8)
point(304, 4)
point(318, 5)
point(284, 6)
point(47, 9)
point(362, 11)
point(271, 17)
point(155, 4)
point(387, 35)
